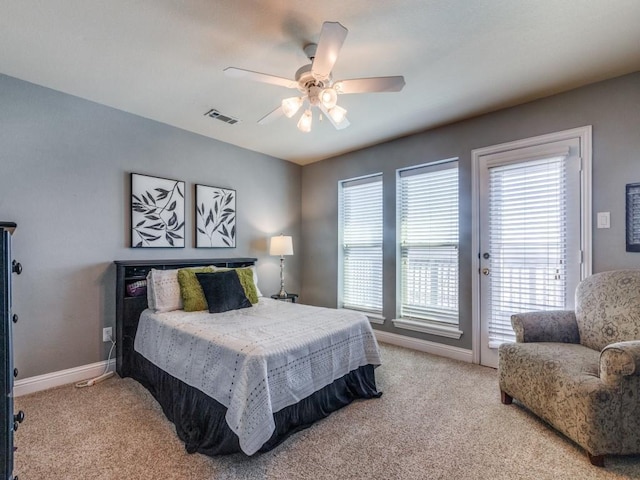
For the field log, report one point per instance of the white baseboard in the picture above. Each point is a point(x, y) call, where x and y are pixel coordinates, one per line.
point(62, 377)
point(434, 348)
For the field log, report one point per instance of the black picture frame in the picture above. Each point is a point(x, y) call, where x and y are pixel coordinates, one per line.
point(632, 192)
point(215, 217)
point(157, 212)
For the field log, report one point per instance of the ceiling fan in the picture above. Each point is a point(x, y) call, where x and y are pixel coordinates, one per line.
point(316, 84)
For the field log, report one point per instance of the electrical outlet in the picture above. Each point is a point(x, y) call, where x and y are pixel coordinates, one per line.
point(106, 334)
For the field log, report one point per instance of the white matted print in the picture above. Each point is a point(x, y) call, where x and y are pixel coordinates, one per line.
point(215, 217)
point(157, 212)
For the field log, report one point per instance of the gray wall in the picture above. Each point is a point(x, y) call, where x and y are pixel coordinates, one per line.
point(611, 107)
point(64, 178)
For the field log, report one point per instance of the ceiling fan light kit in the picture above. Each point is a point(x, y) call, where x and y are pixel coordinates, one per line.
point(315, 82)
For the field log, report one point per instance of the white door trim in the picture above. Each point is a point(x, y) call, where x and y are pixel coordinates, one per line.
point(584, 135)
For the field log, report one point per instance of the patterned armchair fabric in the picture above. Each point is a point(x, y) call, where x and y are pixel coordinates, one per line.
point(608, 308)
point(548, 326)
point(580, 371)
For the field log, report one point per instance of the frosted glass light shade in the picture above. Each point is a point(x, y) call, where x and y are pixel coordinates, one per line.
point(291, 105)
point(304, 124)
point(281, 245)
point(329, 97)
point(338, 114)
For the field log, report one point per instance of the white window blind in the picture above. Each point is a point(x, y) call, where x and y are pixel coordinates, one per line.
point(428, 222)
point(528, 242)
point(361, 243)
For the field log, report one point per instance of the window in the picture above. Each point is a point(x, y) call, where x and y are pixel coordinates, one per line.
point(360, 285)
point(528, 237)
point(428, 248)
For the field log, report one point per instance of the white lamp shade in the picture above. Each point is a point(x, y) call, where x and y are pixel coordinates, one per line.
point(281, 245)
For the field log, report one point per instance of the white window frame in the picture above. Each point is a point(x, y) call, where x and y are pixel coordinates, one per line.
point(374, 316)
point(430, 326)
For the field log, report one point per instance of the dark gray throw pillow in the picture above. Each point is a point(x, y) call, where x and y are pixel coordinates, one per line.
point(223, 291)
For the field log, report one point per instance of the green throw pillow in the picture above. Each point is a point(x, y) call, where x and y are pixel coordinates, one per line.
point(191, 292)
point(245, 275)
point(246, 280)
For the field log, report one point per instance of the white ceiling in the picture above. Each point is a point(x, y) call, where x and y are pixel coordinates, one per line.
point(163, 59)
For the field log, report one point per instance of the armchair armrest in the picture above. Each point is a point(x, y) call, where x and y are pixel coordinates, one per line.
point(621, 359)
point(546, 326)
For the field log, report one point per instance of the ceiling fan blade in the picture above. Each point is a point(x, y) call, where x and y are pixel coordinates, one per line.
point(271, 116)
point(370, 85)
point(338, 126)
point(332, 37)
point(260, 77)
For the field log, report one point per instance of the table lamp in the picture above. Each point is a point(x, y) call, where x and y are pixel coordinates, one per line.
point(281, 245)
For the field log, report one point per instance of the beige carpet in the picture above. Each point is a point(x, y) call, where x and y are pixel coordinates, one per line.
point(437, 419)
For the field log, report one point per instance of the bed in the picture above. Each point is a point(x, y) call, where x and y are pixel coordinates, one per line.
point(245, 379)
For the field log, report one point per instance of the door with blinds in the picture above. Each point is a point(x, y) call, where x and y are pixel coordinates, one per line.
point(530, 245)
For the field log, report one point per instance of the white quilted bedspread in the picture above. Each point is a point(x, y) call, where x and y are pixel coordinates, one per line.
point(256, 361)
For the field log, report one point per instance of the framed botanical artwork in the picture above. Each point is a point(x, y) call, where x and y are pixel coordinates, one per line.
point(157, 212)
point(215, 217)
point(633, 217)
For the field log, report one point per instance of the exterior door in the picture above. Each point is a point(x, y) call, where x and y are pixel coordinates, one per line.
point(530, 241)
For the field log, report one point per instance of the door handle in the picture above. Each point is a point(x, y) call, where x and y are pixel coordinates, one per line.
point(16, 267)
point(486, 271)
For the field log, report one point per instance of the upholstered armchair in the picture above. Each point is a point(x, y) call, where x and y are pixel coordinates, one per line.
point(580, 370)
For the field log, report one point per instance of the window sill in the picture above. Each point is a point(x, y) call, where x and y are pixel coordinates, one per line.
point(440, 330)
point(373, 317)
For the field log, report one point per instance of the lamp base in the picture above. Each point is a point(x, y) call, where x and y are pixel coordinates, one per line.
point(282, 293)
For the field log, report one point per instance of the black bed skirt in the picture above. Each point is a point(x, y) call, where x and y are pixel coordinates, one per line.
point(200, 420)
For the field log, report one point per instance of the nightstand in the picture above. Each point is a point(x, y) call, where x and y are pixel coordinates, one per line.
point(291, 297)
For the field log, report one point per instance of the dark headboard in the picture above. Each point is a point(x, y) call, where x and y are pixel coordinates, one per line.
point(128, 308)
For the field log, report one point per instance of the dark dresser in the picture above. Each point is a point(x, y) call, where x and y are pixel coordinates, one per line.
point(10, 421)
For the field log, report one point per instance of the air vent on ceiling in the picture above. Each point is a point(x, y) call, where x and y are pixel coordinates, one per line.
point(213, 113)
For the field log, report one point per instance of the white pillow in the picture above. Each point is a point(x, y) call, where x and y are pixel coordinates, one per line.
point(163, 290)
point(255, 279)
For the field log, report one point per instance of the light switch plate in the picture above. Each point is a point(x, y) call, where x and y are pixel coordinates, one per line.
point(604, 220)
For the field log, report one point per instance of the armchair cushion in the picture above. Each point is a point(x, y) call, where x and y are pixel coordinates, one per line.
point(608, 308)
point(546, 326)
point(618, 360)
